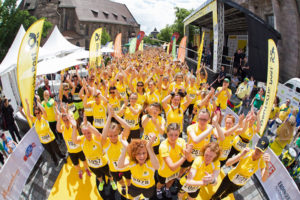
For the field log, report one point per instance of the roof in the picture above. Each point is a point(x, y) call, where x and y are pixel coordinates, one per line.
point(101, 11)
point(30, 4)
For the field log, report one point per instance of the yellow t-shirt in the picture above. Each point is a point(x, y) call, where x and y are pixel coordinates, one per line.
point(222, 98)
point(284, 112)
point(210, 108)
point(141, 99)
point(43, 130)
point(201, 168)
point(166, 150)
point(88, 111)
point(131, 119)
point(197, 147)
point(173, 116)
point(175, 86)
point(245, 169)
point(67, 134)
point(151, 128)
point(93, 151)
point(142, 176)
point(192, 91)
point(99, 114)
point(238, 143)
point(154, 97)
point(49, 110)
point(121, 89)
point(226, 145)
point(115, 102)
point(274, 111)
point(113, 152)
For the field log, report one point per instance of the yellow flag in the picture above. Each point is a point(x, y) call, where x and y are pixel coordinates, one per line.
point(27, 62)
point(200, 50)
point(272, 82)
point(168, 48)
point(141, 47)
point(95, 48)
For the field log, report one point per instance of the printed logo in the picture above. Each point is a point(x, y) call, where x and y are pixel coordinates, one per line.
point(28, 151)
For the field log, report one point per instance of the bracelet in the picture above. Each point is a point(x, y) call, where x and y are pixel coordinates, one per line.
point(213, 182)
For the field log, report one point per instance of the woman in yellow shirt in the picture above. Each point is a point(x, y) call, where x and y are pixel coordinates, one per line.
point(178, 83)
point(249, 161)
point(192, 92)
point(91, 143)
point(75, 151)
point(142, 164)
point(204, 171)
point(89, 92)
point(113, 148)
point(175, 109)
point(44, 132)
point(131, 112)
point(153, 123)
point(173, 152)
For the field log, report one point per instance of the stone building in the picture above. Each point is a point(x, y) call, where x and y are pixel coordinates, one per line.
point(154, 33)
point(284, 16)
point(78, 19)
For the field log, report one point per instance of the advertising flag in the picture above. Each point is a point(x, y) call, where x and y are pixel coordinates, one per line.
point(27, 62)
point(181, 50)
point(168, 47)
point(174, 49)
point(139, 38)
point(141, 47)
point(117, 48)
point(200, 50)
point(132, 46)
point(272, 82)
point(95, 48)
point(174, 36)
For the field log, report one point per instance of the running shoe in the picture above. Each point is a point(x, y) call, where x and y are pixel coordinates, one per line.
point(159, 194)
point(88, 172)
point(113, 185)
point(168, 193)
point(80, 174)
point(100, 186)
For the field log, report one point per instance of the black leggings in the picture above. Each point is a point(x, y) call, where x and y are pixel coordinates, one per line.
point(1, 159)
point(13, 130)
point(53, 129)
point(227, 187)
point(53, 149)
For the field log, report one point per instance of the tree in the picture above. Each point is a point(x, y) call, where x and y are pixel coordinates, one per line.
point(105, 37)
point(11, 18)
point(166, 33)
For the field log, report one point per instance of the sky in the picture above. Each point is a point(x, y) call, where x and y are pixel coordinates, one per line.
point(157, 13)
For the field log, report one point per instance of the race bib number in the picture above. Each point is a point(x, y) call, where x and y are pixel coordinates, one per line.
point(196, 152)
point(146, 137)
point(192, 96)
point(239, 179)
point(99, 122)
point(189, 188)
point(144, 182)
point(131, 123)
point(123, 94)
point(46, 138)
point(72, 145)
point(88, 109)
point(240, 145)
point(95, 163)
point(225, 153)
point(72, 107)
point(176, 175)
point(76, 97)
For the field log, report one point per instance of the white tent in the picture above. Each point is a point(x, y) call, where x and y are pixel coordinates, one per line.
point(57, 44)
point(54, 65)
point(80, 54)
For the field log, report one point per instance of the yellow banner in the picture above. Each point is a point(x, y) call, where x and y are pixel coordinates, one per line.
point(141, 47)
point(95, 48)
point(200, 50)
point(168, 48)
point(27, 61)
point(272, 82)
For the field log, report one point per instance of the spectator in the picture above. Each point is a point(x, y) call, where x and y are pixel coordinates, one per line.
point(237, 59)
point(298, 117)
point(47, 87)
point(221, 76)
point(245, 68)
point(8, 114)
point(258, 100)
point(223, 94)
point(284, 110)
point(8, 144)
point(234, 83)
point(243, 93)
point(251, 83)
point(1, 154)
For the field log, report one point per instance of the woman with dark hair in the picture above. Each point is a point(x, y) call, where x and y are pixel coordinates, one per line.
point(131, 112)
point(142, 165)
point(204, 171)
point(258, 100)
point(44, 132)
point(173, 153)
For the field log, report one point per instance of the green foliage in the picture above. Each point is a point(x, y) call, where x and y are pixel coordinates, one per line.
point(166, 33)
point(11, 19)
point(148, 40)
point(105, 37)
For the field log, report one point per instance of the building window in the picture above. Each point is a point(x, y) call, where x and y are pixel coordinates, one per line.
point(95, 13)
point(87, 44)
point(78, 44)
point(116, 16)
point(270, 20)
point(105, 14)
point(86, 29)
point(125, 18)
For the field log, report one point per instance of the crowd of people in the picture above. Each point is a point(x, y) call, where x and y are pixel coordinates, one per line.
point(147, 123)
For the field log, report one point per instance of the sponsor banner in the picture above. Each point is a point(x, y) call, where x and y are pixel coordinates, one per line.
point(139, 38)
point(200, 50)
point(272, 82)
point(141, 47)
point(279, 185)
point(181, 49)
point(27, 61)
point(174, 36)
point(95, 48)
point(132, 46)
point(117, 48)
point(19, 165)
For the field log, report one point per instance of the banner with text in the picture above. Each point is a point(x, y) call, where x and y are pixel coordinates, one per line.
point(19, 165)
point(95, 48)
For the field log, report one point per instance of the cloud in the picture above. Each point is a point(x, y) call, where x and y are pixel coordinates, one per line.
point(152, 14)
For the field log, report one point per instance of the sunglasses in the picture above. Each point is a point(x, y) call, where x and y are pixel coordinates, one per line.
point(111, 92)
point(66, 89)
point(37, 113)
point(140, 85)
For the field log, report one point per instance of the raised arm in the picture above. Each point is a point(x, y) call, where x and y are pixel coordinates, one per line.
point(28, 111)
point(153, 158)
point(220, 132)
point(166, 100)
point(236, 158)
point(122, 161)
point(200, 137)
point(75, 138)
point(265, 171)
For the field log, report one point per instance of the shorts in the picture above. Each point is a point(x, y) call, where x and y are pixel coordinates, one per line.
point(162, 180)
point(79, 105)
point(117, 176)
point(156, 149)
point(186, 164)
point(76, 156)
point(136, 191)
point(134, 134)
point(101, 171)
point(90, 119)
point(192, 194)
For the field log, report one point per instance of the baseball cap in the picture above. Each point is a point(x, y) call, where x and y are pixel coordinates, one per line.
point(262, 144)
point(227, 80)
point(246, 79)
